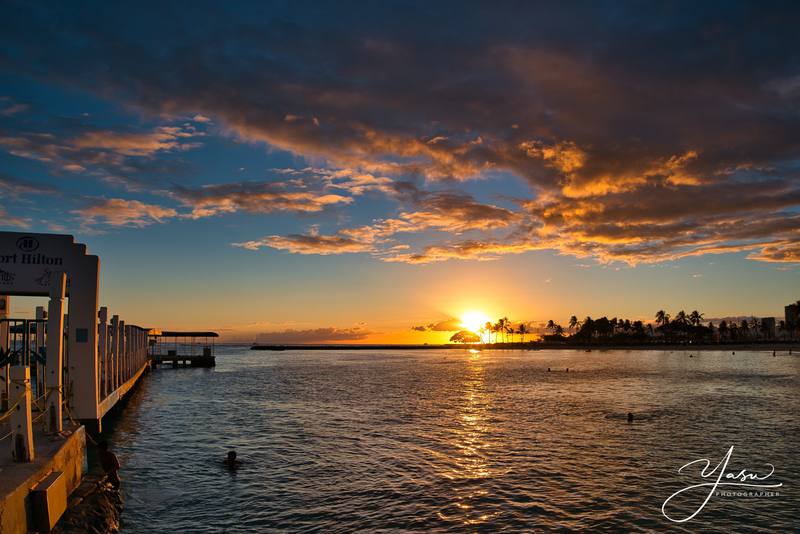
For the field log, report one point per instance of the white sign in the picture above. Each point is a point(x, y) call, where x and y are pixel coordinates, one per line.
point(26, 261)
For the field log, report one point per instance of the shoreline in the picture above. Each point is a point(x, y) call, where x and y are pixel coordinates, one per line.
point(767, 346)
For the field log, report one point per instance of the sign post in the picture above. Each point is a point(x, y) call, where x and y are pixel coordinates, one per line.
point(55, 351)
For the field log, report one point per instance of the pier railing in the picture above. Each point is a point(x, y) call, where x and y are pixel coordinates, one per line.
point(32, 394)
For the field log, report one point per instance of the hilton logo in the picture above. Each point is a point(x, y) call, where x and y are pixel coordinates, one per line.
point(27, 244)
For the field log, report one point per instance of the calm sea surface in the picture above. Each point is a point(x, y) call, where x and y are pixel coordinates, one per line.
point(452, 441)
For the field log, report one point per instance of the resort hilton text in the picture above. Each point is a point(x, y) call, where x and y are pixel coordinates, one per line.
point(30, 259)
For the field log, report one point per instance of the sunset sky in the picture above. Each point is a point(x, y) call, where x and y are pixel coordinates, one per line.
point(346, 172)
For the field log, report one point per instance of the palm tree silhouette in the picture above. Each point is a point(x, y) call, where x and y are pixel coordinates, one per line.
point(744, 328)
point(755, 325)
point(522, 330)
point(723, 329)
point(573, 323)
point(662, 318)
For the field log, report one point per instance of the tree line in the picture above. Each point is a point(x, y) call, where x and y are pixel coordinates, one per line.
point(680, 328)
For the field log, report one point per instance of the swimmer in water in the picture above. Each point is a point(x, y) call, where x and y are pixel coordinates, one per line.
point(630, 417)
point(231, 462)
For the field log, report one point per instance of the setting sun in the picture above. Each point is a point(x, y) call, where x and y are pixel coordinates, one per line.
point(474, 320)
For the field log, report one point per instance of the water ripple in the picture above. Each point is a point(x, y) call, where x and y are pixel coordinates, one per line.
point(454, 442)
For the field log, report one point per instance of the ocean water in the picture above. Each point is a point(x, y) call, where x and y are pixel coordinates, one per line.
point(454, 441)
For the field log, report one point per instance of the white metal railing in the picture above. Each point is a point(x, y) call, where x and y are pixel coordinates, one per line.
point(32, 396)
point(121, 353)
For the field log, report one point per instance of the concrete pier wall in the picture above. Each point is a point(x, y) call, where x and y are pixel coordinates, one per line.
point(17, 479)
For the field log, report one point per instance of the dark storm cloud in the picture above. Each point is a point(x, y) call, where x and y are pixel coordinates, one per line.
point(647, 131)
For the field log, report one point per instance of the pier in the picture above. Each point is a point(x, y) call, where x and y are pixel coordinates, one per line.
point(61, 372)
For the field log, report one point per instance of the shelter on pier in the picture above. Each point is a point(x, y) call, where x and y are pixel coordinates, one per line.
point(195, 349)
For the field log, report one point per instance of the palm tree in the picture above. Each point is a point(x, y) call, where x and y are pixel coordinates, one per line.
point(681, 318)
point(522, 330)
point(723, 329)
point(551, 325)
point(573, 323)
point(488, 329)
point(500, 326)
point(755, 325)
point(662, 318)
point(765, 330)
point(510, 331)
point(588, 326)
point(744, 328)
point(696, 318)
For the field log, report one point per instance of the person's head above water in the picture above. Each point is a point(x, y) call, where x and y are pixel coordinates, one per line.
point(231, 455)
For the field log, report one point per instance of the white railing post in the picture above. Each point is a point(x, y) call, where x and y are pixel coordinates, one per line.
point(114, 352)
point(138, 345)
point(143, 347)
point(102, 350)
point(40, 377)
point(123, 347)
point(21, 422)
point(128, 351)
point(55, 351)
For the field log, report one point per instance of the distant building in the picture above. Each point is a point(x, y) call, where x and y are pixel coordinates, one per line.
point(768, 327)
point(792, 313)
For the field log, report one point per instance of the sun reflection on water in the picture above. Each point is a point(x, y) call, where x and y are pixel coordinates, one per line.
point(471, 433)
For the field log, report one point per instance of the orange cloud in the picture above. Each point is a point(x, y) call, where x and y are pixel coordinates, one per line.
point(310, 244)
point(163, 138)
point(121, 212)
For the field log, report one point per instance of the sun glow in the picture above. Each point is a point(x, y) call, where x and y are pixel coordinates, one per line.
point(474, 320)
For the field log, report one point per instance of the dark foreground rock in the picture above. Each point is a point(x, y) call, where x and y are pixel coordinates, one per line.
point(94, 508)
